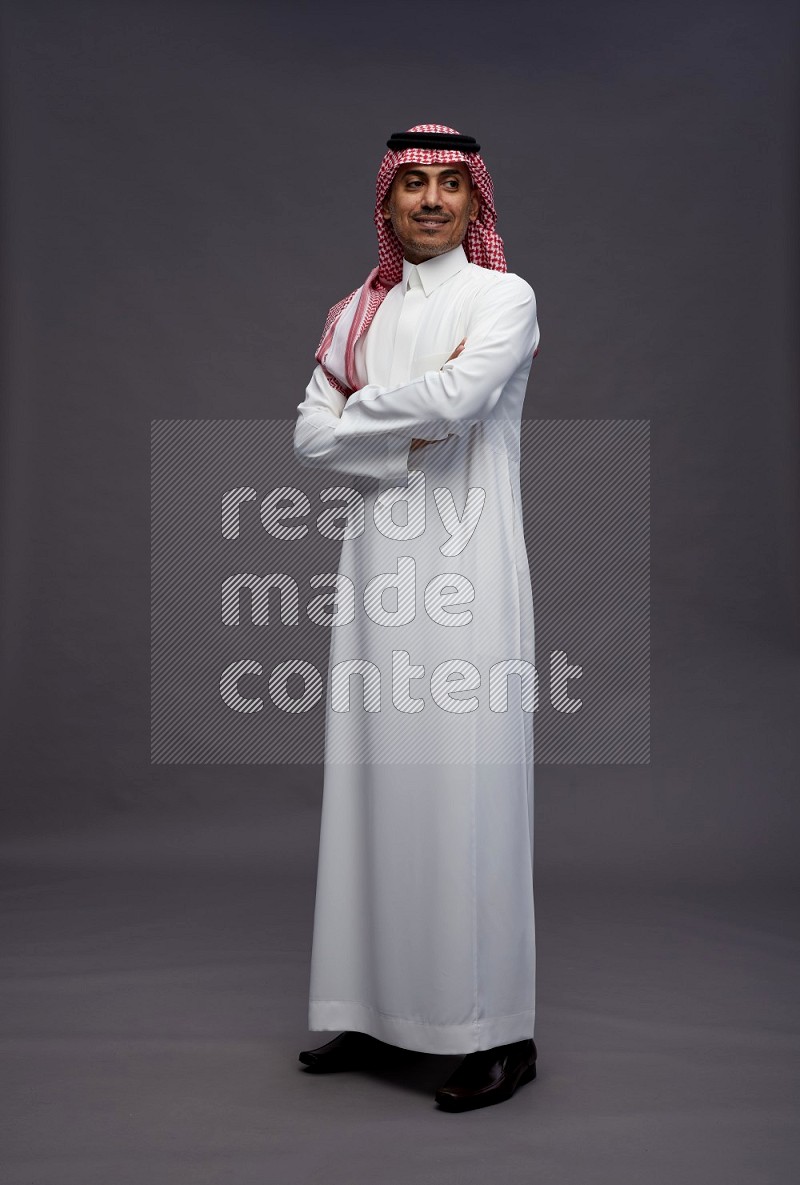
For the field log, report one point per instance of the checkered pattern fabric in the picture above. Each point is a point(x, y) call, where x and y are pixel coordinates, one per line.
point(482, 246)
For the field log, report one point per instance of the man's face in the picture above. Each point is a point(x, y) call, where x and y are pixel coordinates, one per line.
point(430, 208)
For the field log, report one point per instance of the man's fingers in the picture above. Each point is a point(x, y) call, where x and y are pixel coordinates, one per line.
point(419, 443)
point(458, 349)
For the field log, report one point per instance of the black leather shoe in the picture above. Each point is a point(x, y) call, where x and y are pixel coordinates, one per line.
point(488, 1076)
point(349, 1051)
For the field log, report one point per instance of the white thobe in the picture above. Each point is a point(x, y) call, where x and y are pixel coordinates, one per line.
point(424, 921)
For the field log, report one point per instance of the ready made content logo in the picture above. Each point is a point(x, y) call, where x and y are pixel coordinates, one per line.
point(300, 614)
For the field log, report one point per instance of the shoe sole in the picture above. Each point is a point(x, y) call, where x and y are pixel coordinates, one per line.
point(371, 1061)
point(324, 1067)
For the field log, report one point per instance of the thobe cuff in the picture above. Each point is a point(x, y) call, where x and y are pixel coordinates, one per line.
point(318, 441)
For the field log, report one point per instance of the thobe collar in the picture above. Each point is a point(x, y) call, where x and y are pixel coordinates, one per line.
point(436, 270)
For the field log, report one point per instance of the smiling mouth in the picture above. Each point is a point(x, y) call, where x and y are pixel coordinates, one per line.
point(431, 222)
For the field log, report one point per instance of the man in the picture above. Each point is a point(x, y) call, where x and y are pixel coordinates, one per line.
point(424, 926)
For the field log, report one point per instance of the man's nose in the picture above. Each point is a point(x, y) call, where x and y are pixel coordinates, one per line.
point(430, 198)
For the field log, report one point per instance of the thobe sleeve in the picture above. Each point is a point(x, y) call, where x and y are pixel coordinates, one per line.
point(316, 444)
point(502, 333)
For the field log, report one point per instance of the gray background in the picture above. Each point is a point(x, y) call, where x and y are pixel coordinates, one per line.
point(186, 189)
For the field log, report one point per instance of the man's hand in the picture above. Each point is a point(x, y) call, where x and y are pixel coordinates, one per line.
point(419, 443)
point(457, 350)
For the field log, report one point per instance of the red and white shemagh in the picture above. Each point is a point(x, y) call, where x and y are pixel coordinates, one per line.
point(350, 319)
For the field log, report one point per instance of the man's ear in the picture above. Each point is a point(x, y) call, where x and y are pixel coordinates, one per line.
point(475, 204)
point(385, 211)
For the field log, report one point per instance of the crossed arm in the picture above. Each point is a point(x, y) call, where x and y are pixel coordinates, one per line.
point(371, 432)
